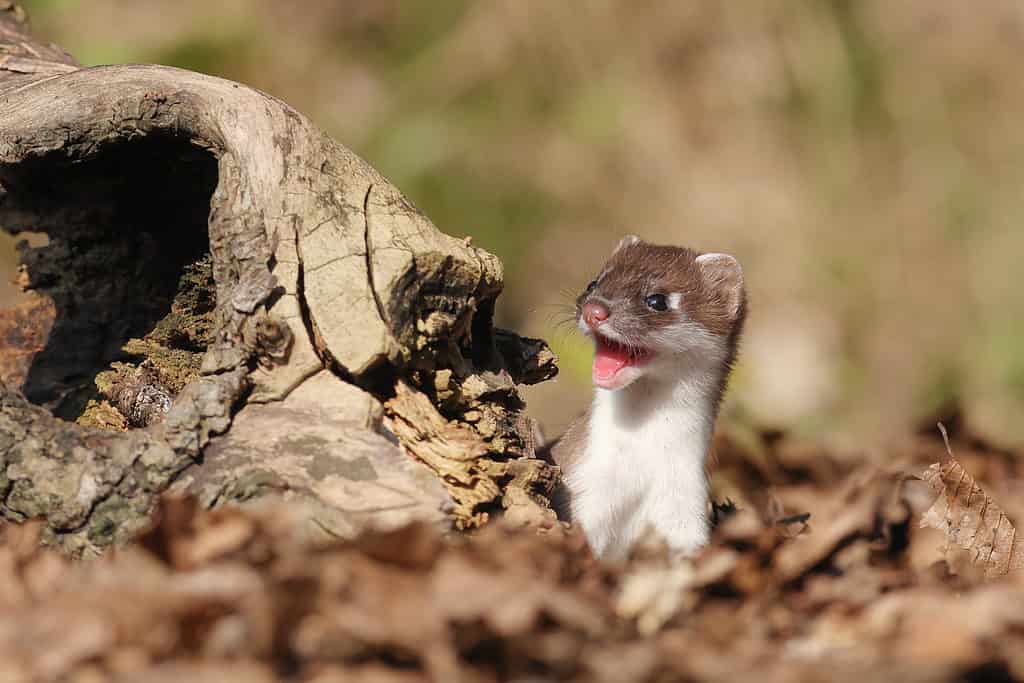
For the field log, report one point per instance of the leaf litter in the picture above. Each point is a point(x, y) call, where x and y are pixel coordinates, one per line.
point(830, 569)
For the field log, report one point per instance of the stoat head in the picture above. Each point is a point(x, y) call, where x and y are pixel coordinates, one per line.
point(653, 307)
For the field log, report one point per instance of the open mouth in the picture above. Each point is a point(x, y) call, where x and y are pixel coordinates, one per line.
point(611, 358)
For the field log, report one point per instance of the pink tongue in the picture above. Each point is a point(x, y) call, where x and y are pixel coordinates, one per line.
point(608, 360)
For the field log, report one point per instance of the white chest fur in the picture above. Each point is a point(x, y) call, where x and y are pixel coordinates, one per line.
point(643, 466)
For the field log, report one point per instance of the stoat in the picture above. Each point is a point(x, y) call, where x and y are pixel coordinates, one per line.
point(665, 322)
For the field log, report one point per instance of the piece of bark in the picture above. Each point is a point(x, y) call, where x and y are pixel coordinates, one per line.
point(24, 329)
point(92, 487)
point(314, 263)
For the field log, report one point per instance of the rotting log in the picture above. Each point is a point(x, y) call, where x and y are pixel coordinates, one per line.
point(209, 249)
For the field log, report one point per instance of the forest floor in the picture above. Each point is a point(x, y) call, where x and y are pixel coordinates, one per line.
point(857, 590)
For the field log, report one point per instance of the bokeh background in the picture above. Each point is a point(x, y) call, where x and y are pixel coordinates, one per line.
point(863, 159)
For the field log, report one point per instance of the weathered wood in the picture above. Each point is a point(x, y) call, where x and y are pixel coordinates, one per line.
point(321, 447)
point(260, 272)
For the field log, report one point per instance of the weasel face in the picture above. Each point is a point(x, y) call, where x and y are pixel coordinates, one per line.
point(652, 306)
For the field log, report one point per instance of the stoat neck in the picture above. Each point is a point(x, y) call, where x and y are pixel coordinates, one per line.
point(676, 410)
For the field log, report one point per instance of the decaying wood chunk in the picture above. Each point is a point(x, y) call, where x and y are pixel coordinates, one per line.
point(211, 236)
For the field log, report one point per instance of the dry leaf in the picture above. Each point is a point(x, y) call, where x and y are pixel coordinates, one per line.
point(971, 520)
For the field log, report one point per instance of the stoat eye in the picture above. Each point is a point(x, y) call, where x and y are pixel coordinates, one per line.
point(590, 287)
point(657, 302)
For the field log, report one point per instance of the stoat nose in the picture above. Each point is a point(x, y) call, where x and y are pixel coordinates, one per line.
point(594, 313)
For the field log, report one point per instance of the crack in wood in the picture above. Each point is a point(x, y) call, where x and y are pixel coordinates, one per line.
point(369, 256)
point(300, 296)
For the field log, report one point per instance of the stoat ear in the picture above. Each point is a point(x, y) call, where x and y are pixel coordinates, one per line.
point(724, 273)
point(627, 241)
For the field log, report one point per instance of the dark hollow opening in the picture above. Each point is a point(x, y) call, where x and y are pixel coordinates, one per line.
point(127, 259)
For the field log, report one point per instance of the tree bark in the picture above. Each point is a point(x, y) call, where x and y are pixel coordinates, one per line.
point(210, 250)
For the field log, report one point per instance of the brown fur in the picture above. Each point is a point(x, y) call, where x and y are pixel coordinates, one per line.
point(565, 453)
point(638, 269)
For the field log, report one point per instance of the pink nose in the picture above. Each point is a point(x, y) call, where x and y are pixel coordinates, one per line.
point(594, 313)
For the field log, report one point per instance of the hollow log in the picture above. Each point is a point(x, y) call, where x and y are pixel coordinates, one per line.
point(233, 305)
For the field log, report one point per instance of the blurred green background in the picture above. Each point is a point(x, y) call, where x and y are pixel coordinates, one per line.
point(864, 161)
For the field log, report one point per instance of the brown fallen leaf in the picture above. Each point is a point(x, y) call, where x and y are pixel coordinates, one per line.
point(971, 520)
